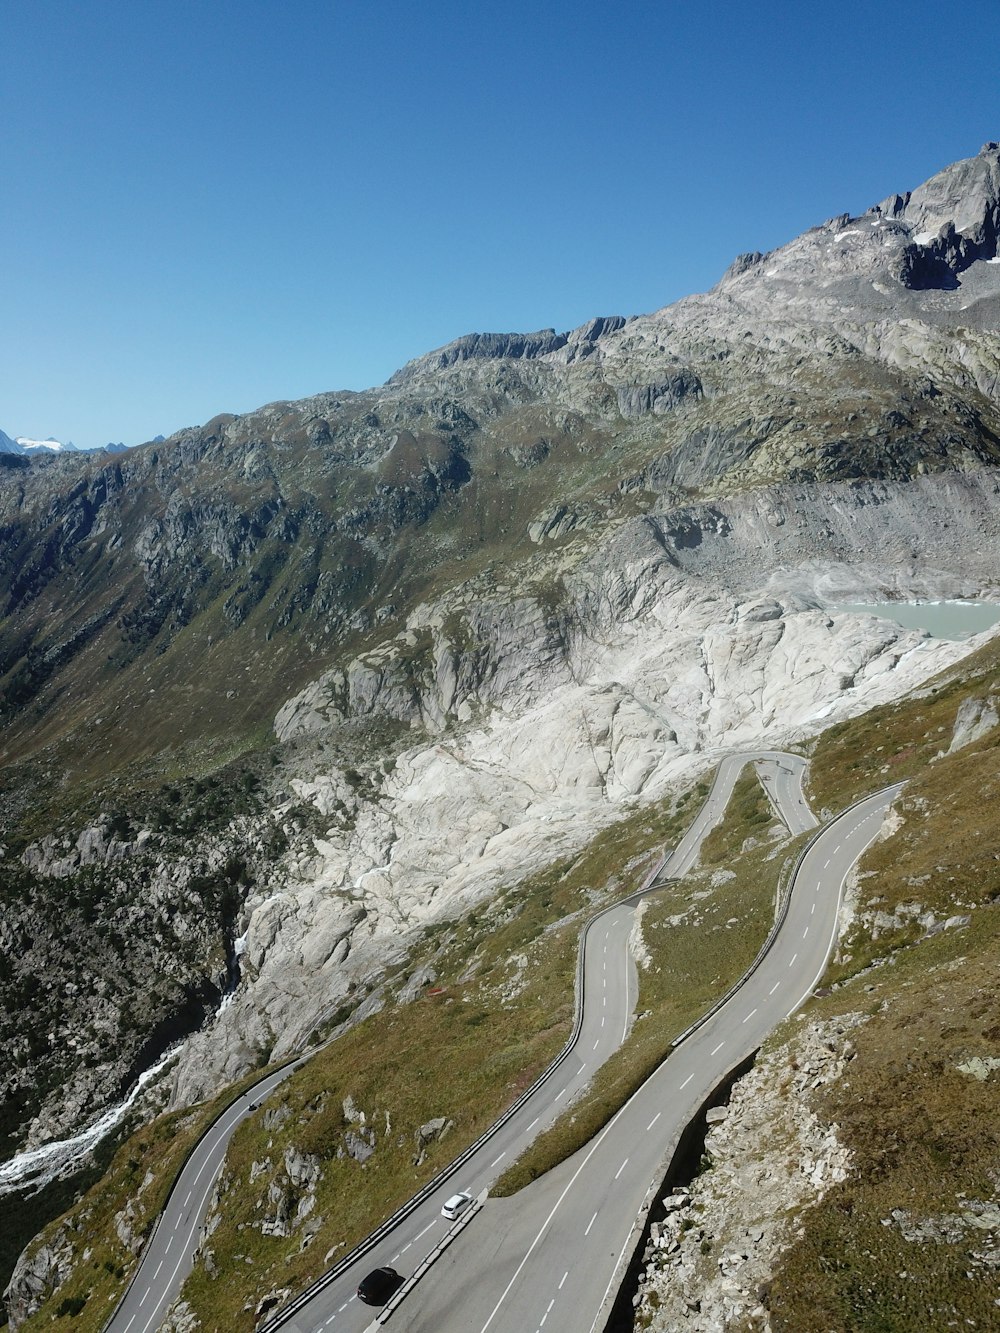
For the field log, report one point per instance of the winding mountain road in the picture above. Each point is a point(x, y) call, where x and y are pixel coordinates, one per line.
point(551, 1255)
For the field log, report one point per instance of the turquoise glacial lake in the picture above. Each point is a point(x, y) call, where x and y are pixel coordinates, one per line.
point(943, 620)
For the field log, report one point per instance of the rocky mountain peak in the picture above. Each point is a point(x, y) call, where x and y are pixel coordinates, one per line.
point(964, 196)
point(509, 346)
point(953, 220)
point(482, 347)
point(920, 240)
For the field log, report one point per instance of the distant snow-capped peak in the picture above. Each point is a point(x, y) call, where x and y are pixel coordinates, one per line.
point(24, 445)
point(54, 445)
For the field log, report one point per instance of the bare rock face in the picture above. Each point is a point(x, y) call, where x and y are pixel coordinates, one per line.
point(976, 719)
point(180, 1318)
point(35, 1277)
point(716, 1246)
point(431, 1132)
point(670, 639)
point(291, 1194)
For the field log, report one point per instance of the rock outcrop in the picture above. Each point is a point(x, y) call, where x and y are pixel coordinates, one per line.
point(768, 1156)
point(976, 719)
point(36, 1275)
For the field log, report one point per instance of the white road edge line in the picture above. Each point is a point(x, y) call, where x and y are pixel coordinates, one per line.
point(608, 1287)
point(555, 1207)
point(879, 813)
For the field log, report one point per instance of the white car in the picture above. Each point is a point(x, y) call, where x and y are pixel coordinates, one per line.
point(456, 1205)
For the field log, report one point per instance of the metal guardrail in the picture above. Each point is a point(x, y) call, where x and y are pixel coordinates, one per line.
point(649, 883)
point(370, 1241)
point(453, 1232)
point(779, 919)
point(286, 1066)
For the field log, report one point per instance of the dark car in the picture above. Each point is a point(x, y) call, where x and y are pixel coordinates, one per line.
point(379, 1285)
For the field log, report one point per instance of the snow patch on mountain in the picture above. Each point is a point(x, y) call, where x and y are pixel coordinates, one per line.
point(54, 446)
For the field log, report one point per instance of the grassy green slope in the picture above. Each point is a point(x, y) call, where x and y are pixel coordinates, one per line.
point(894, 1247)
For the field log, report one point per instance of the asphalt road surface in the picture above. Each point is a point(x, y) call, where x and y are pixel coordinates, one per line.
point(507, 1233)
point(549, 1258)
point(170, 1252)
point(500, 1272)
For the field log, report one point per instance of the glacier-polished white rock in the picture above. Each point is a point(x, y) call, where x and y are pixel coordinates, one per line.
point(640, 702)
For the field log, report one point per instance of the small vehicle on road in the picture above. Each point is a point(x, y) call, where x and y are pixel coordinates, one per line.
point(379, 1286)
point(456, 1205)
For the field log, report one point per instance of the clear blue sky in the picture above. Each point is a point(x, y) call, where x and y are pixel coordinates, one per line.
point(209, 205)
